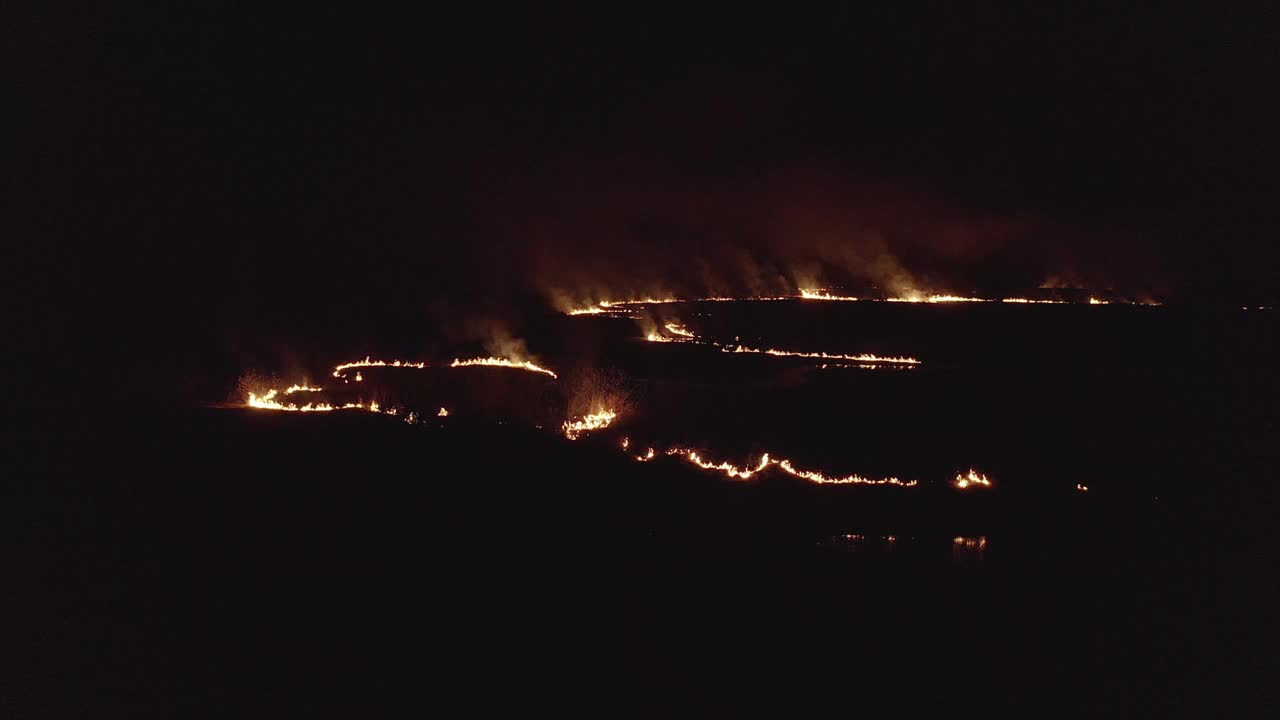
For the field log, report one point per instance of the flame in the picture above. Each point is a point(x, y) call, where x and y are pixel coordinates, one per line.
point(626, 443)
point(819, 294)
point(1025, 301)
point(936, 299)
point(589, 423)
point(861, 358)
point(268, 402)
point(647, 456)
point(678, 329)
point(970, 543)
point(1096, 301)
point(299, 388)
point(442, 413)
point(338, 371)
point(502, 362)
point(766, 461)
point(359, 377)
point(1082, 488)
point(973, 478)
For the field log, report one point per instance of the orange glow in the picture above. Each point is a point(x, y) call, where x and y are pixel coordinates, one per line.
point(589, 423)
point(1096, 301)
point(1025, 301)
point(502, 362)
point(862, 358)
point(1082, 488)
point(647, 456)
point(359, 377)
point(973, 478)
point(678, 329)
point(442, 413)
point(766, 461)
point(299, 388)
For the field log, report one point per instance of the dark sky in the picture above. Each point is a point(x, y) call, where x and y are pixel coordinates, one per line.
point(301, 169)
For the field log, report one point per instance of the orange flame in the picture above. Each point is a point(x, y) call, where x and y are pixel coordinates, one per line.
point(862, 358)
point(442, 413)
point(973, 478)
point(766, 461)
point(502, 362)
point(337, 371)
point(820, 294)
point(589, 423)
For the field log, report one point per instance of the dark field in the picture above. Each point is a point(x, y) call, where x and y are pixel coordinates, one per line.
point(247, 563)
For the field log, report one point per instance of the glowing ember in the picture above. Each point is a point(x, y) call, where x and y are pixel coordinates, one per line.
point(1096, 301)
point(647, 456)
point(970, 479)
point(786, 466)
point(595, 421)
point(1082, 488)
point(678, 329)
point(502, 362)
point(299, 388)
point(359, 377)
point(626, 443)
point(1025, 301)
point(862, 358)
point(442, 413)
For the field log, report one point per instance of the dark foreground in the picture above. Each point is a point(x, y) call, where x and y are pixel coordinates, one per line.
point(353, 566)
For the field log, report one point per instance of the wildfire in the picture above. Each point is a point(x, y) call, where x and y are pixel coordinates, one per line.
point(819, 294)
point(1026, 301)
point(502, 362)
point(766, 461)
point(442, 413)
point(589, 423)
point(338, 371)
point(678, 329)
point(973, 478)
point(1082, 488)
point(970, 543)
point(268, 402)
point(1096, 301)
point(299, 388)
point(861, 358)
point(936, 299)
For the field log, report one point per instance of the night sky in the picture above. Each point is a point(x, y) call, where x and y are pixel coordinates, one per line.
point(223, 173)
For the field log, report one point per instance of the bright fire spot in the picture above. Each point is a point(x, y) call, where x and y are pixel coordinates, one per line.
point(268, 402)
point(678, 329)
point(359, 377)
point(299, 388)
point(1082, 488)
point(657, 337)
point(442, 413)
point(1096, 301)
point(1024, 301)
point(647, 456)
point(626, 443)
point(502, 362)
point(936, 299)
point(786, 466)
point(819, 294)
point(595, 421)
point(970, 543)
point(337, 371)
point(973, 478)
point(862, 358)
